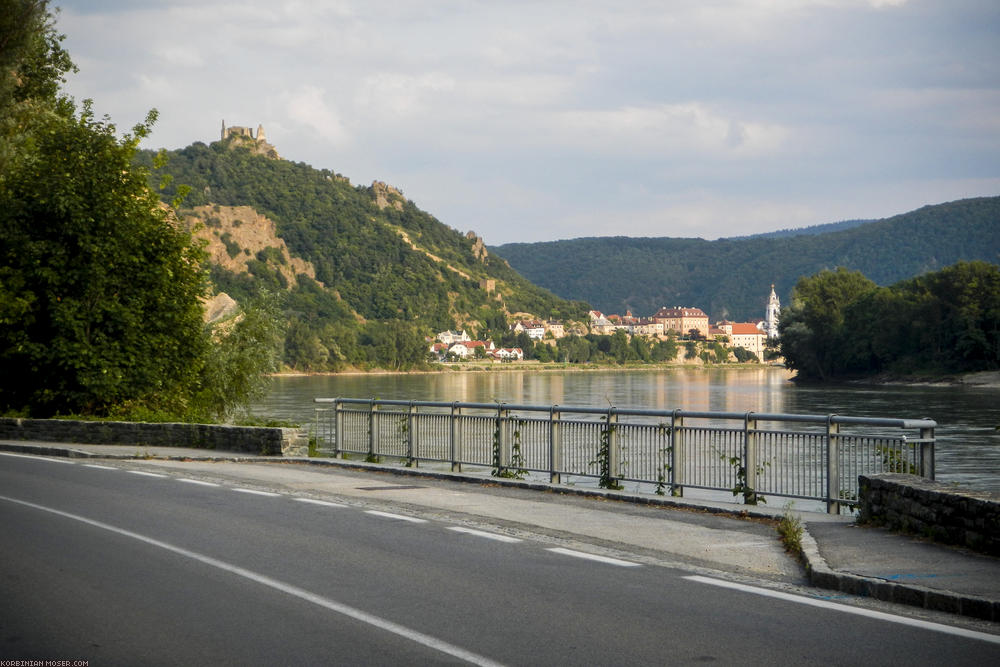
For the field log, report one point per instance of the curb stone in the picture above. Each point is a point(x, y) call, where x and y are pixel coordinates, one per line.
point(821, 575)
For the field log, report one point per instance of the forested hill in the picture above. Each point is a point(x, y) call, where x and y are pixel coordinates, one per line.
point(732, 277)
point(377, 257)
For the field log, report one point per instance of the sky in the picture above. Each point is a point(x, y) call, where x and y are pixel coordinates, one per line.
point(536, 121)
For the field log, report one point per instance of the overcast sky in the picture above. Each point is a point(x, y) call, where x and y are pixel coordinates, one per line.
point(532, 121)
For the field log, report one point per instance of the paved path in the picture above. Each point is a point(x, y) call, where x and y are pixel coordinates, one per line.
point(838, 554)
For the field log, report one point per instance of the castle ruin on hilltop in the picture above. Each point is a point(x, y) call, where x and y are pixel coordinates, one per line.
point(245, 136)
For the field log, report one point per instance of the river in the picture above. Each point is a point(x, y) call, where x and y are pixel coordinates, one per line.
point(968, 439)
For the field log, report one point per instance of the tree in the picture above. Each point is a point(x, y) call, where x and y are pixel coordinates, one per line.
point(99, 292)
point(100, 286)
point(33, 64)
point(813, 334)
point(237, 366)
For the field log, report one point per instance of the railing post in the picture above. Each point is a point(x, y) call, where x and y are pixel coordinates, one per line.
point(927, 443)
point(411, 436)
point(555, 446)
point(371, 429)
point(677, 454)
point(455, 446)
point(338, 426)
point(750, 459)
point(832, 466)
point(613, 454)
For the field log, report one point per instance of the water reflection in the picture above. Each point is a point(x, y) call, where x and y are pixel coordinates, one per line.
point(968, 443)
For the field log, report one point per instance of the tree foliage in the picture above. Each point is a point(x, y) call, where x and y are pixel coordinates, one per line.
point(100, 289)
point(842, 324)
point(98, 292)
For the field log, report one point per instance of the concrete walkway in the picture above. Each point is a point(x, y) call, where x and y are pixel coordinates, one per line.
point(838, 554)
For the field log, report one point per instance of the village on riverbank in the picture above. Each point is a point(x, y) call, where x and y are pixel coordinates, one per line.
point(678, 334)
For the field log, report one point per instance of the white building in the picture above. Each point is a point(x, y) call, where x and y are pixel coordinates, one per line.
point(770, 324)
point(449, 337)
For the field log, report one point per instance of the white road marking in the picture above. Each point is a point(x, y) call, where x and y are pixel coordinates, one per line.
point(390, 515)
point(49, 459)
point(255, 492)
point(145, 474)
point(99, 467)
point(833, 606)
point(483, 533)
point(289, 589)
point(187, 480)
point(324, 503)
point(594, 557)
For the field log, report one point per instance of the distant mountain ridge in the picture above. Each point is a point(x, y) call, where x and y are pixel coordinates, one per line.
point(731, 278)
point(806, 231)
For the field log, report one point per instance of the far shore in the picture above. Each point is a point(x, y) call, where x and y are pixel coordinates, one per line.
point(492, 367)
point(983, 379)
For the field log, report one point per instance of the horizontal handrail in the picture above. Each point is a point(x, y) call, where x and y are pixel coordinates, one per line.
point(640, 412)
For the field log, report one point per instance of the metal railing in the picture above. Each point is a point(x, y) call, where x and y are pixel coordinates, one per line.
point(753, 455)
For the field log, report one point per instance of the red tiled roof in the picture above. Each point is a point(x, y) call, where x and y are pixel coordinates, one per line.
point(745, 328)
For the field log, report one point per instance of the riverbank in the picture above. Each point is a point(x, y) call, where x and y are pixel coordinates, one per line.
point(532, 365)
point(986, 379)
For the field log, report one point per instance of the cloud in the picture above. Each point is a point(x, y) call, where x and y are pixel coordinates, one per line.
point(390, 94)
point(181, 56)
point(685, 128)
point(528, 120)
point(306, 105)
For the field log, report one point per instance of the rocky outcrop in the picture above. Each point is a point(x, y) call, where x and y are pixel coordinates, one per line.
point(219, 307)
point(478, 247)
point(237, 235)
point(386, 195)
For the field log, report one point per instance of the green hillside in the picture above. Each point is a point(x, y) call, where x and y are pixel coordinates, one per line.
point(386, 273)
point(732, 277)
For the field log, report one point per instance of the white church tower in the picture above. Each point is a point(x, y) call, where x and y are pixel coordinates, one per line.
point(771, 317)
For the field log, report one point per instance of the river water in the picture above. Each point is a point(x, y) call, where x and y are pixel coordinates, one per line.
point(968, 439)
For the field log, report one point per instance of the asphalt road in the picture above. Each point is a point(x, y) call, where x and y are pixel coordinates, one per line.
point(115, 566)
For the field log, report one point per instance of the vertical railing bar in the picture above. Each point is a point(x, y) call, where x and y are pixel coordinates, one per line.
point(677, 462)
point(832, 466)
point(555, 445)
point(750, 460)
point(338, 437)
point(411, 435)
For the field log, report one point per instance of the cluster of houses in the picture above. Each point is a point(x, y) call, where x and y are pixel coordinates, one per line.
point(686, 322)
point(458, 345)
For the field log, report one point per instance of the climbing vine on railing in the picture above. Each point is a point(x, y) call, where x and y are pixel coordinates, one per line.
point(664, 472)
point(516, 468)
point(403, 426)
point(497, 448)
point(607, 479)
point(750, 496)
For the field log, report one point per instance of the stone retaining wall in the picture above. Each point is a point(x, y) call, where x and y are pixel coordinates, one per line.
point(258, 441)
point(939, 511)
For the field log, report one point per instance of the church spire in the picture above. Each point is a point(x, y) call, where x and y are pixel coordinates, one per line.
point(772, 314)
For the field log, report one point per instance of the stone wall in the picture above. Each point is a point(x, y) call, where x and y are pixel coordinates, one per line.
point(258, 441)
point(939, 511)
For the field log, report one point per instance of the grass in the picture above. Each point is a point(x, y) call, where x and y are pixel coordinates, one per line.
point(790, 530)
